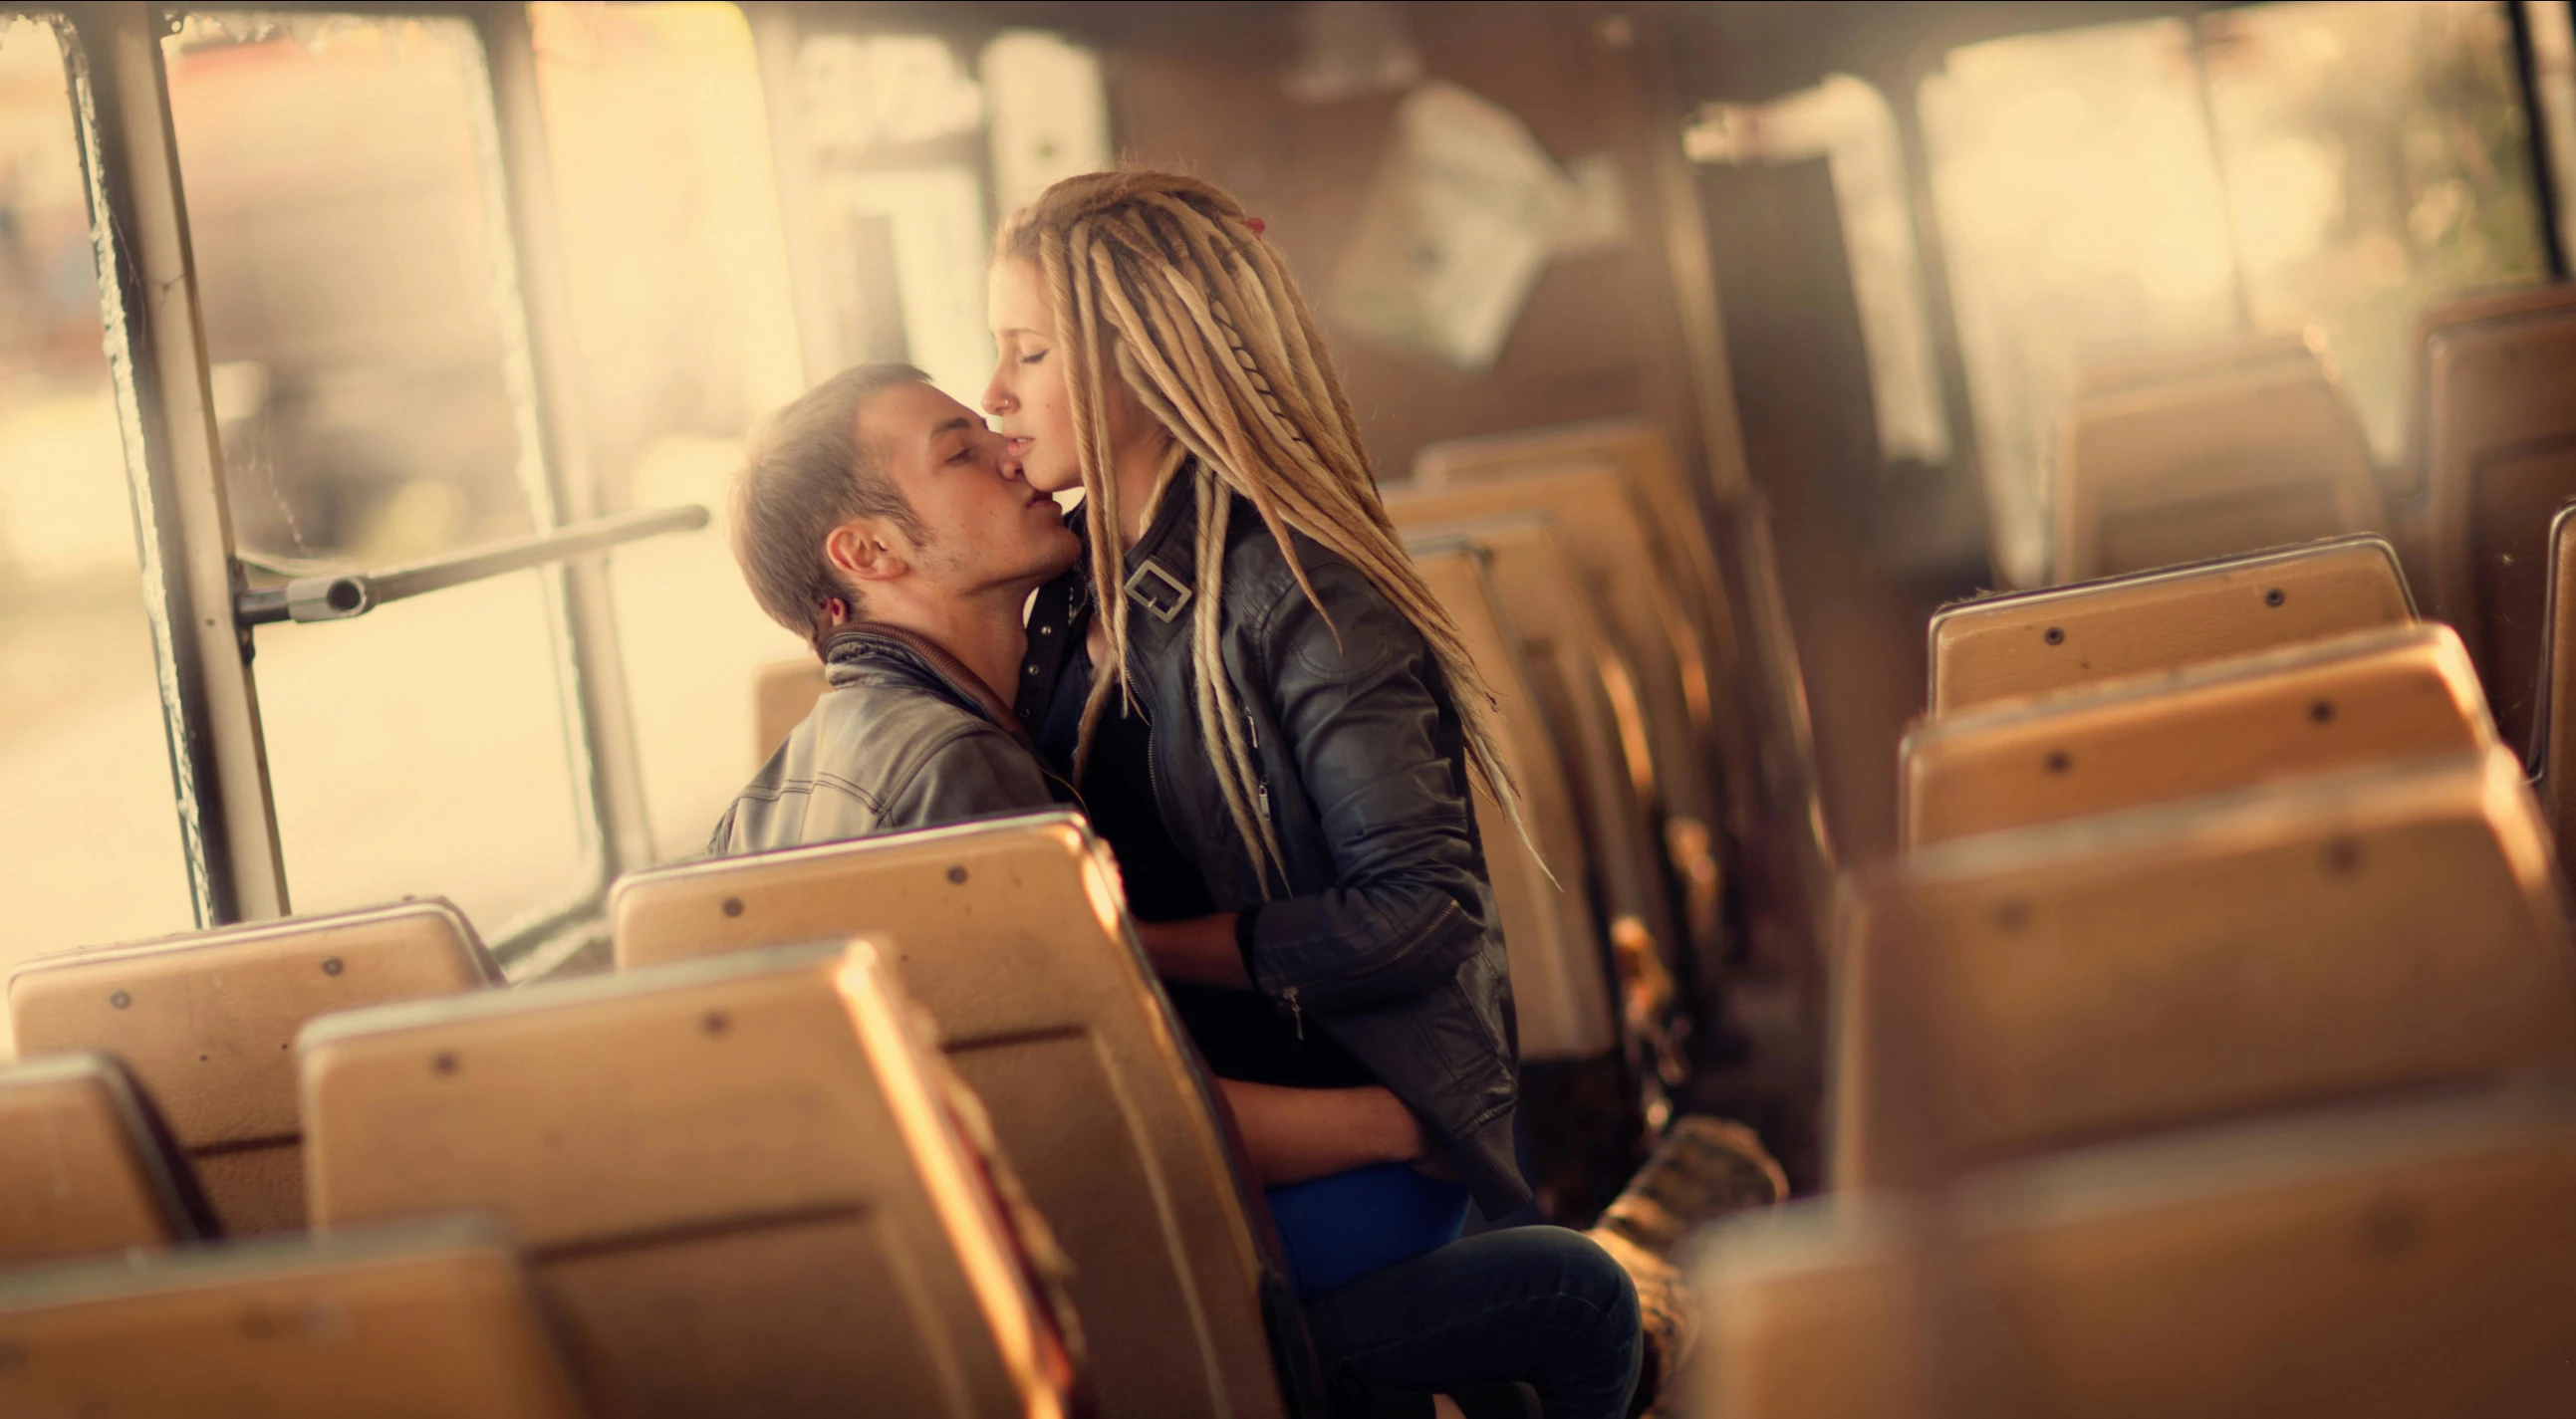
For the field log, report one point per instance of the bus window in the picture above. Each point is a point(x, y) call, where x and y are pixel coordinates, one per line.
point(2163, 183)
point(89, 847)
point(373, 390)
point(687, 334)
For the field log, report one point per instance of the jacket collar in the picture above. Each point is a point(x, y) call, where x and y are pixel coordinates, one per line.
point(1162, 568)
point(863, 638)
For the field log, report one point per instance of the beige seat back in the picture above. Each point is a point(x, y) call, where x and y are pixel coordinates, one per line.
point(739, 1176)
point(1558, 987)
point(85, 1166)
point(206, 1022)
point(2011, 993)
point(2346, 702)
point(1012, 935)
point(2158, 368)
point(1587, 699)
point(2500, 456)
point(2234, 461)
point(783, 692)
point(2472, 308)
point(2379, 1261)
point(2554, 731)
point(429, 1319)
point(1677, 702)
point(2034, 642)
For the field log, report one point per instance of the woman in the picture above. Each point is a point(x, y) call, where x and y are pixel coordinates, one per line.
point(1276, 728)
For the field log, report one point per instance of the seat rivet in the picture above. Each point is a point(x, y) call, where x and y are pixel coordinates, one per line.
point(957, 874)
point(120, 1000)
point(330, 965)
point(2055, 635)
point(443, 1062)
point(2057, 762)
point(733, 906)
point(2321, 711)
point(2274, 597)
point(716, 1022)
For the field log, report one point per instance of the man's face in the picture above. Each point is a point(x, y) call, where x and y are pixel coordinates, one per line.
point(980, 523)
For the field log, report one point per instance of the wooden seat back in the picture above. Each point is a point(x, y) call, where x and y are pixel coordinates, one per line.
point(741, 1177)
point(2236, 461)
point(1558, 986)
point(2553, 741)
point(206, 1022)
point(86, 1167)
point(2347, 702)
point(2034, 642)
point(1013, 935)
point(435, 1318)
point(1704, 806)
point(1588, 701)
point(2499, 456)
point(2366, 1261)
point(783, 692)
point(2003, 995)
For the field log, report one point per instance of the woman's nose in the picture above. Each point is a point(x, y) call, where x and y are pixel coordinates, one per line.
point(997, 400)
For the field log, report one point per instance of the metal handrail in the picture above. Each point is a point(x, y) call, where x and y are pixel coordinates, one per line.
point(337, 596)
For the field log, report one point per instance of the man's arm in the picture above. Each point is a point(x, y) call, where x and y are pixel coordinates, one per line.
point(1296, 1135)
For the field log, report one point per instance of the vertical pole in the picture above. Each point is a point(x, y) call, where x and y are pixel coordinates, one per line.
point(607, 765)
point(156, 349)
point(1685, 233)
point(774, 38)
point(2535, 129)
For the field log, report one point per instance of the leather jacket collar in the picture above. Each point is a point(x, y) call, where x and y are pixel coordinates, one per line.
point(862, 639)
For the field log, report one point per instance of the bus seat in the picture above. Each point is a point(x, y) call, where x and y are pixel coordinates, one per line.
point(206, 1021)
point(2372, 696)
point(2032, 642)
point(1558, 987)
point(1677, 697)
point(2553, 742)
point(1011, 933)
point(434, 1318)
point(2384, 928)
point(2234, 461)
point(738, 1176)
point(2367, 1260)
point(86, 1166)
point(1590, 709)
point(2155, 369)
point(2499, 457)
point(2471, 308)
point(783, 692)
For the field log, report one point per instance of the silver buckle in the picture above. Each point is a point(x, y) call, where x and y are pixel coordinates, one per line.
point(1143, 594)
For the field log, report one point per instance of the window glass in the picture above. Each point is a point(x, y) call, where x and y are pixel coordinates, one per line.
point(671, 234)
point(2261, 170)
point(89, 845)
point(371, 380)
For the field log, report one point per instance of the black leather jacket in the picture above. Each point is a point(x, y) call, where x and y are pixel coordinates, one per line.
point(1384, 932)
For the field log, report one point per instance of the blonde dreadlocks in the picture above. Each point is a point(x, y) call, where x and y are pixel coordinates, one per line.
point(1165, 279)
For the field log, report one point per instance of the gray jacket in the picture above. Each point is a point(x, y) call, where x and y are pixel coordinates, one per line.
point(1384, 932)
point(905, 737)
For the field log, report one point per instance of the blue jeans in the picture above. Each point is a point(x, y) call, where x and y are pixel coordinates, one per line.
point(1539, 1304)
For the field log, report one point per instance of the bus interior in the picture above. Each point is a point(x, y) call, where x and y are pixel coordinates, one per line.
point(2020, 546)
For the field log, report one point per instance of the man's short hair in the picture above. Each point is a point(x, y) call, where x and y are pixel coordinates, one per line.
point(809, 472)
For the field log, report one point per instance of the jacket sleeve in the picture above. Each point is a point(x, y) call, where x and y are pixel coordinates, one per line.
point(1407, 904)
point(980, 773)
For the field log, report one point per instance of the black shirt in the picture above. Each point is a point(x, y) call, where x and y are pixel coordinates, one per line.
point(1242, 1035)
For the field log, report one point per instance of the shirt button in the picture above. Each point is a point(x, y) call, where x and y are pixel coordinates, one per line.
point(1046, 630)
point(1033, 672)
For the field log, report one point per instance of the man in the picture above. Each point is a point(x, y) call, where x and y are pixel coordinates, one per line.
point(883, 521)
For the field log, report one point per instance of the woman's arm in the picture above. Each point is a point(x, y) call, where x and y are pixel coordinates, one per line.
point(1355, 705)
point(1297, 1135)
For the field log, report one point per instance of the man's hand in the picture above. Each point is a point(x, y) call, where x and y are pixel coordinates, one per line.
point(1199, 951)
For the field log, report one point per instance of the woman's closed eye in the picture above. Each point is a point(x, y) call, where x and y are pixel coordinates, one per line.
point(1033, 358)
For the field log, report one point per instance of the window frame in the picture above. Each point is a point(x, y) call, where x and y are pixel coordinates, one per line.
point(192, 579)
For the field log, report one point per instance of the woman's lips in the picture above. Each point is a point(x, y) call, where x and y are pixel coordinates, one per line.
point(1018, 445)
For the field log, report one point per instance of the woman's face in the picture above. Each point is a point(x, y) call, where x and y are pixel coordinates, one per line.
point(1027, 397)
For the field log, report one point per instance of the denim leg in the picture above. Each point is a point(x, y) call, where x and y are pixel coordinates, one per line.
point(1539, 1304)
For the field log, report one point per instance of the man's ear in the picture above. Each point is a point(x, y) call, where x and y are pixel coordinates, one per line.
point(866, 549)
